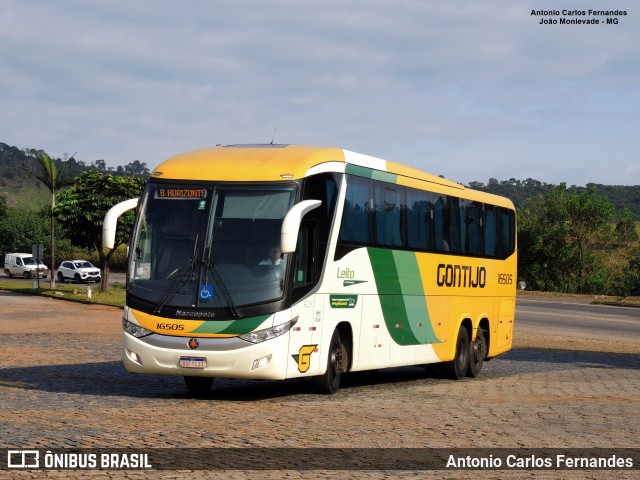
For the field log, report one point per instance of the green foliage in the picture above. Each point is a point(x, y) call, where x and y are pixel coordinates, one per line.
point(81, 209)
point(66, 251)
point(622, 197)
point(568, 241)
point(3, 206)
point(20, 229)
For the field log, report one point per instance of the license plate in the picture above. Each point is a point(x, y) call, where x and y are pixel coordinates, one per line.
point(193, 362)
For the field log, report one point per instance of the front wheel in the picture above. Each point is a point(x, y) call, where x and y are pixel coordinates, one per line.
point(329, 382)
point(456, 369)
point(60, 277)
point(198, 385)
point(477, 353)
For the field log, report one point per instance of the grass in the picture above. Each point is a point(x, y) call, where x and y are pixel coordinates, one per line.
point(114, 297)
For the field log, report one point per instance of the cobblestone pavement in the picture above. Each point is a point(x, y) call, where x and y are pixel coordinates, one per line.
point(62, 385)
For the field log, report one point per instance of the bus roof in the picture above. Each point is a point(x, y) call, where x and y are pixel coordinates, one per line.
point(253, 163)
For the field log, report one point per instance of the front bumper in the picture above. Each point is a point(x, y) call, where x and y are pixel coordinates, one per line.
point(225, 358)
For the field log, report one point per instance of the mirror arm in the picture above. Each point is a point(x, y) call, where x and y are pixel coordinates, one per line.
point(111, 221)
point(291, 224)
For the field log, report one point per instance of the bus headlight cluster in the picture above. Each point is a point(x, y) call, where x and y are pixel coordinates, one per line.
point(135, 330)
point(269, 333)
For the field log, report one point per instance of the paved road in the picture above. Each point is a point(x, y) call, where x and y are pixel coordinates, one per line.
point(594, 322)
point(62, 385)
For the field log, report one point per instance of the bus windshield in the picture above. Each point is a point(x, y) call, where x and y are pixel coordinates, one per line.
point(209, 246)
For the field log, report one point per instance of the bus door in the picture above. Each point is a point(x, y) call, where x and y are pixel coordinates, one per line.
point(306, 334)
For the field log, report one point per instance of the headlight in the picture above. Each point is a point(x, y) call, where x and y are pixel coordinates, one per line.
point(269, 333)
point(135, 330)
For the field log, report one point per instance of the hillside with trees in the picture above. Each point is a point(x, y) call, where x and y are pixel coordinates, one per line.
point(621, 196)
point(19, 188)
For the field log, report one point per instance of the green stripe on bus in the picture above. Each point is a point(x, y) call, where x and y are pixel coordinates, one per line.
point(232, 327)
point(402, 300)
point(370, 173)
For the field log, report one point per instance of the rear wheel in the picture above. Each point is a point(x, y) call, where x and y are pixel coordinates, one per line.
point(456, 369)
point(329, 382)
point(477, 353)
point(198, 385)
point(60, 277)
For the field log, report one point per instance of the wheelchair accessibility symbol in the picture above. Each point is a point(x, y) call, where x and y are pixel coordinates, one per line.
point(206, 291)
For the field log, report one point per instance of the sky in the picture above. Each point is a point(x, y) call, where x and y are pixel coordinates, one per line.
point(467, 89)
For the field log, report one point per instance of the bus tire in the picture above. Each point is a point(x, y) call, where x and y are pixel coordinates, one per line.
point(477, 353)
point(329, 382)
point(456, 369)
point(198, 385)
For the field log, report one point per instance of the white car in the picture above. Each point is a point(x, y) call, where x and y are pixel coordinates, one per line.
point(78, 271)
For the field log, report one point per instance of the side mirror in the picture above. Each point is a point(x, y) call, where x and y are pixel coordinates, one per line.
point(111, 221)
point(291, 224)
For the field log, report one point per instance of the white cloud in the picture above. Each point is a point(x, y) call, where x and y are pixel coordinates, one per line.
point(471, 90)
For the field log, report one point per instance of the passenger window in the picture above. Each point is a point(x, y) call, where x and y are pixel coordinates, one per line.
point(471, 215)
point(507, 232)
point(490, 230)
point(356, 219)
point(388, 218)
point(420, 220)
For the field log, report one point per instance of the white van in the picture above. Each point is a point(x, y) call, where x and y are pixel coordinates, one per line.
point(23, 265)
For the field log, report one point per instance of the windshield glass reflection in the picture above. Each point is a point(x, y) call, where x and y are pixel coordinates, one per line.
point(213, 246)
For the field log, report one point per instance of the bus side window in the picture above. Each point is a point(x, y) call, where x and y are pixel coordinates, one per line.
point(490, 231)
point(441, 233)
point(453, 224)
point(420, 220)
point(388, 216)
point(356, 219)
point(471, 217)
point(507, 232)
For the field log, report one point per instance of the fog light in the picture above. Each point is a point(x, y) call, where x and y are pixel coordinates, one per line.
point(134, 357)
point(261, 362)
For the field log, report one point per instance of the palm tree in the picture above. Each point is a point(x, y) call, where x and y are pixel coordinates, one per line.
point(48, 174)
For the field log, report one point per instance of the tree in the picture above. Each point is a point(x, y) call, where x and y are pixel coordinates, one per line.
point(3, 205)
point(81, 210)
point(559, 235)
point(48, 175)
point(135, 169)
point(20, 229)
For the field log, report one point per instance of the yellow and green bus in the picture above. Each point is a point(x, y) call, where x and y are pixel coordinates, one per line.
point(281, 261)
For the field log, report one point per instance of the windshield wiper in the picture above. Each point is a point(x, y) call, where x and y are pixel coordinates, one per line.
point(211, 267)
point(186, 272)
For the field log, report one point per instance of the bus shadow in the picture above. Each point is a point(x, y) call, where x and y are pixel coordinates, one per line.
point(110, 379)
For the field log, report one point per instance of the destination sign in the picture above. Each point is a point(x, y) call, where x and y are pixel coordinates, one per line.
point(181, 193)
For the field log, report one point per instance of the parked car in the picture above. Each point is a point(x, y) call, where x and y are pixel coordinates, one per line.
point(78, 271)
point(23, 265)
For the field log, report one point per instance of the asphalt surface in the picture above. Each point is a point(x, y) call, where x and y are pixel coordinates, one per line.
point(593, 322)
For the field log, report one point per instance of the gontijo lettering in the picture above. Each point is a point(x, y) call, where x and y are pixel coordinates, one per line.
point(461, 276)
